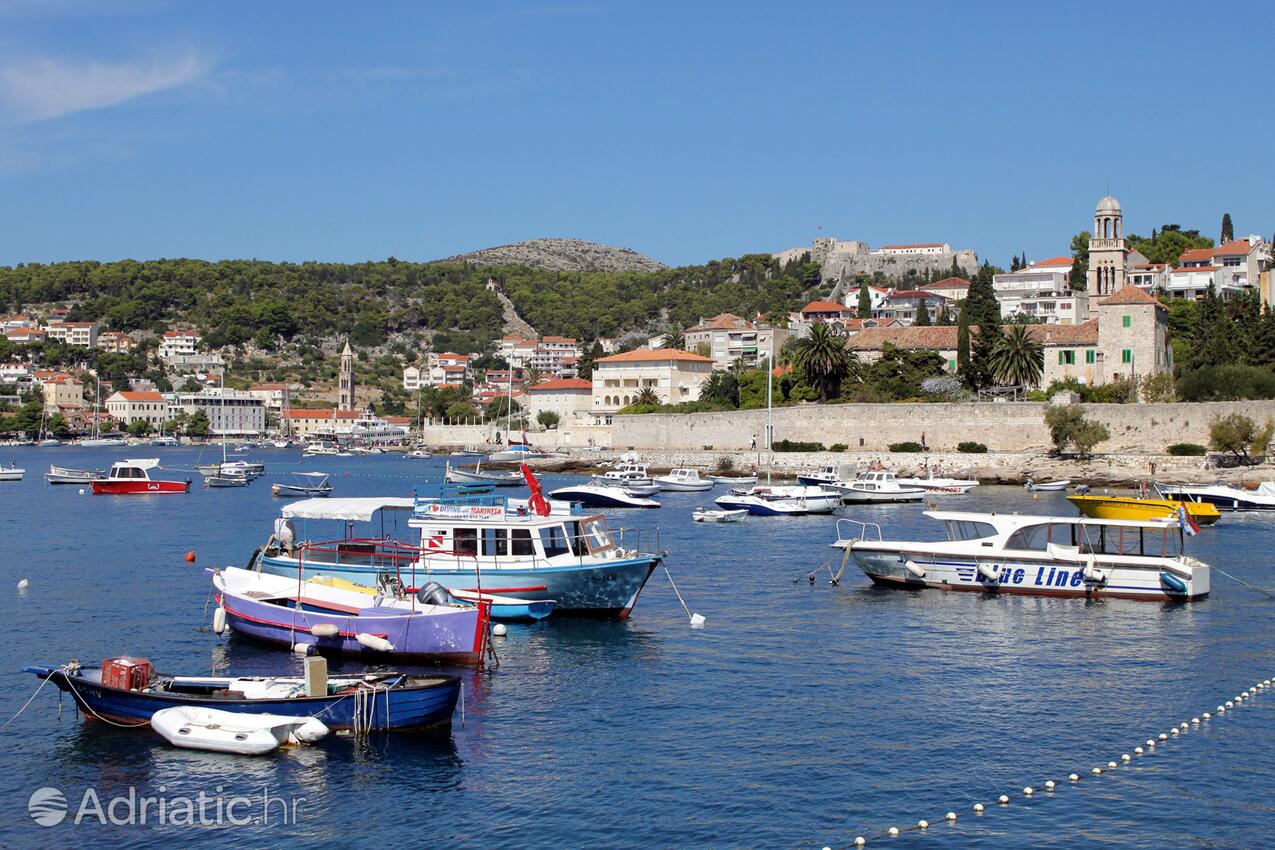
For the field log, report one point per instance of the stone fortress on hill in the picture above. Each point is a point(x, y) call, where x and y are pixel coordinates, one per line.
point(842, 260)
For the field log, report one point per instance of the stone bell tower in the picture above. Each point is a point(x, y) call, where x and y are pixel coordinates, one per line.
point(345, 392)
point(1108, 255)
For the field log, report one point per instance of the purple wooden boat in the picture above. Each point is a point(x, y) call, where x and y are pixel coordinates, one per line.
point(336, 618)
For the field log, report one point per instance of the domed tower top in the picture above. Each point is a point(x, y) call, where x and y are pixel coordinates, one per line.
point(1108, 220)
point(1109, 205)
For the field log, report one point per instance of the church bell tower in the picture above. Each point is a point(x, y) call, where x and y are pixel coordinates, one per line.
point(1108, 255)
point(345, 392)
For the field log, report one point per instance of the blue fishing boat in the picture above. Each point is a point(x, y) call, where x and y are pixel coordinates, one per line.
point(372, 702)
point(474, 543)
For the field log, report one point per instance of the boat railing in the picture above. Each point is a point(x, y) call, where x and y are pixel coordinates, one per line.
point(632, 539)
point(863, 529)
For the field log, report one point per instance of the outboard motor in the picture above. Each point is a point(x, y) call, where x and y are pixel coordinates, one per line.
point(285, 533)
point(433, 593)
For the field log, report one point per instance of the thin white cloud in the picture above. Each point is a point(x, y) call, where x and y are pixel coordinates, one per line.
point(41, 88)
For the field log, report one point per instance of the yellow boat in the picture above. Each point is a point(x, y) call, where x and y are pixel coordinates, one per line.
point(1131, 507)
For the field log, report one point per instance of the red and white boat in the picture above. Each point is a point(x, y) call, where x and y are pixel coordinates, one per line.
point(131, 476)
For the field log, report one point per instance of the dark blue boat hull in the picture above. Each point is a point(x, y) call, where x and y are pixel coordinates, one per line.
point(395, 708)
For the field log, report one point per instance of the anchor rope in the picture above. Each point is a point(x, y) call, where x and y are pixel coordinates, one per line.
point(43, 682)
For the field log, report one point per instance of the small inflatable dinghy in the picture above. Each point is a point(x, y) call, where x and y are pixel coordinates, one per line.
point(216, 731)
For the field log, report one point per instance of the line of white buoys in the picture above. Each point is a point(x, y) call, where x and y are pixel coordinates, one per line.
point(1050, 785)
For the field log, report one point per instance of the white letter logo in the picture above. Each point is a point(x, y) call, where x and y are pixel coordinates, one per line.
point(47, 806)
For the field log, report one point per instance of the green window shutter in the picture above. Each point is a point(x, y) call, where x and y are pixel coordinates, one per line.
point(951, 364)
point(1089, 356)
point(1126, 355)
point(1062, 357)
point(1127, 321)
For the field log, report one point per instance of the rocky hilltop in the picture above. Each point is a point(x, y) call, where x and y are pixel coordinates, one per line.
point(563, 255)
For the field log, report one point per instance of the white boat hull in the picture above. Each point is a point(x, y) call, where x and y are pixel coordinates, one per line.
point(215, 731)
point(897, 566)
point(854, 496)
point(684, 486)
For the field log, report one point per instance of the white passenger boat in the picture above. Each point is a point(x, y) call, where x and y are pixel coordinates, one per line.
point(706, 515)
point(627, 474)
point(1225, 497)
point(420, 454)
point(193, 727)
point(601, 496)
point(1048, 486)
point(66, 475)
point(1037, 555)
point(874, 487)
point(11, 473)
point(833, 473)
point(683, 480)
point(937, 484)
point(321, 449)
point(788, 500)
point(514, 453)
point(530, 549)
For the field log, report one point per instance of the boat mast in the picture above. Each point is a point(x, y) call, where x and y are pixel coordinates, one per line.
point(770, 410)
point(509, 406)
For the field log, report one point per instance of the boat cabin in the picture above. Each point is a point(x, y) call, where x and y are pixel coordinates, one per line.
point(870, 481)
point(1082, 535)
point(132, 469)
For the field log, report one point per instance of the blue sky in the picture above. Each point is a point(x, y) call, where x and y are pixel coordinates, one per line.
point(687, 131)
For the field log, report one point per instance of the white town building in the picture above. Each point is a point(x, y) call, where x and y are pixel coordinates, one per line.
point(674, 375)
point(129, 406)
point(570, 398)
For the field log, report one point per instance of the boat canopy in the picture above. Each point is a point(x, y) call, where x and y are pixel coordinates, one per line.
point(352, 510)
point(138, 462)
point(1014, 520)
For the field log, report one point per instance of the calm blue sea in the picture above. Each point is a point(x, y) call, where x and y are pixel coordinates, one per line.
point(802, 716)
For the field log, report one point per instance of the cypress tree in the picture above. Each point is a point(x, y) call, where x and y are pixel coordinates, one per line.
point(945, 316)
point(963, 347)
point(922, 314)
point(956, 268)
point(1228, 230)
point(865, 301)
point(980, 303)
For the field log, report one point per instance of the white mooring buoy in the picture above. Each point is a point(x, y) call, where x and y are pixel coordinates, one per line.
point(1137, 751)
point(1206, 715)
point(950, 816)
point(893, 831)
point(1125, 757)
point(1075, 777)
point(923, 824)
point(1050, 785)
point(1003, 799)
point(1028, 791)
point(1111, 765)
point(1097, 771)
point(23, 584)
point(859, 841)
point(978, 808)
point(499, 630)
point(1151, 743)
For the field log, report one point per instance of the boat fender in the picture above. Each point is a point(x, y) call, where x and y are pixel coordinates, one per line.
point(1172, 582)
point(989, 573)
point(310, 731)
point(285, 533)
point(379, 644)
point(433, 593)
point(303, 648)
point(324, 630)
point(219, 620)
point(914, 568)
point(1092, 573)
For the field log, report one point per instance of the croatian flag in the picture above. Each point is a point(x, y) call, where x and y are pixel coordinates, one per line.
point(1188, 523)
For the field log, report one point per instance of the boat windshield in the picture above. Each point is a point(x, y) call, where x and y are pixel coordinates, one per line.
point(963, 529)
point(1099, 539)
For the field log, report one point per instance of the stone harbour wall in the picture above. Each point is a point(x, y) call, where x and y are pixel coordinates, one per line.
point(1002, 427)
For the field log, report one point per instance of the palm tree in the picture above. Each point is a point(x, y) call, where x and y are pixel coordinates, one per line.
point(675, 339)
point(824, 358)
point(532, 376)
point(1017, 358)
point(647, 395)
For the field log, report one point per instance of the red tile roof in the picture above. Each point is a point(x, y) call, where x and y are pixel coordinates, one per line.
point(948, 283)
point(916, 293)
point(1195, 255)
point(655, 355)
point(560, 384)
point(1130, 294)
point(1052, 262)
point(826, 307)
point(1188, 269)
point(722, 321)
point(1232, 248)
point(176, 334)
point(131, 395)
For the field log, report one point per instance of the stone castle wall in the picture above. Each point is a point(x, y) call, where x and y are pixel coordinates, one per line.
point(1005, 427)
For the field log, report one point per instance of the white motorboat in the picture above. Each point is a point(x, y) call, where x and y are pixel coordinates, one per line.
point(49, 442)
point(165, 442)
point(933, 484)
point(682, 480)
point(226, 480)
point(628, 474)
point(707, 515)
point(1225, 497)
point(12, 473)
point(1047, 486)
point(876, 487)
point(66, 475)
point(787, 500)
point(321, 449)
point(1037, 555)
point(637, 489)
point(833, 473)
point(599, 496)
point(734, 480)
point(304, 484)
point(102, 442)
point(281, 444)
point(420, 454)
point(478, 475)
point(515, 453)
point(196, 728)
